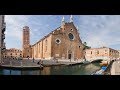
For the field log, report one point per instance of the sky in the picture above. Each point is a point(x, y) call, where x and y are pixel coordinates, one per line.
point(96, 30)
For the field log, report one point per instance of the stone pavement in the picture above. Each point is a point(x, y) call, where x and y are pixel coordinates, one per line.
point(30, 62)
point(115, 70)
point(60, 62)
point(24, 62)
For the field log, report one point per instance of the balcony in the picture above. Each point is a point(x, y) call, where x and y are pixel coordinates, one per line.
point(3, 48)
point(3, 36)
point(4, 27)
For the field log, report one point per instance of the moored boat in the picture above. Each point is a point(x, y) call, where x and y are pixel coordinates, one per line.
point(104, 63)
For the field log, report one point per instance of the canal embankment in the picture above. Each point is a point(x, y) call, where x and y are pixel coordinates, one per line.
point(108, 69)
point(82, 69)
point(115, 69)
point(33, 64)
point(104, 70)
point(20, 64)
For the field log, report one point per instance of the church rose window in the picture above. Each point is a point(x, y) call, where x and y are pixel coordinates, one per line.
point(71, 36)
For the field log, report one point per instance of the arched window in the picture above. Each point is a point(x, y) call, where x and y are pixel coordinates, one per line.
point(46, 45)
point(97, 52)
point(91, 52)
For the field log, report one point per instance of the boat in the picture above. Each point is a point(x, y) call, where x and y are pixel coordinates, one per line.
point(101, 71)
point(104, 63)
point(86, 62)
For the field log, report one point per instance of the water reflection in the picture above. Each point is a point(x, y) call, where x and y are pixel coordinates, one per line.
point(46, 71)
point(56, 70)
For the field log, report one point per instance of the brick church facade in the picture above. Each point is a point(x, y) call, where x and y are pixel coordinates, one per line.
point(62, 43)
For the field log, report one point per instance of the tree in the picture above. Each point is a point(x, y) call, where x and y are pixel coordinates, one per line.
point(85, 46)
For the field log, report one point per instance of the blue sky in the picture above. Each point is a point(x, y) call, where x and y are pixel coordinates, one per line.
point(96, 30)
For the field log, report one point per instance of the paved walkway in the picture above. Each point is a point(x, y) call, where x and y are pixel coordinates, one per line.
point(30, 62)
point(115, 70)
point(60, 62)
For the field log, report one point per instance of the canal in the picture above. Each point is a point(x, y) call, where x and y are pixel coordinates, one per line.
point(86, 69)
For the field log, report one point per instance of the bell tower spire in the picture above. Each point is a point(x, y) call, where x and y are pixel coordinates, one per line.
point(77, 28)
point(63, 20)
point(71, 18)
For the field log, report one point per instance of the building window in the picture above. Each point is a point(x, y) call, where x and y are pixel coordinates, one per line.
point(11, 54)
point(58, 41)
point(97, 52)
point(91, 52)
point(46, 45)
point(71, 36)
point(28, 50)
point(16, 53)
point(79, 46)
point(39, 48)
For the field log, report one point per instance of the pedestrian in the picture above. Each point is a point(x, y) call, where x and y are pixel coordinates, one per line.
point(56, 60)
point(28, 57)
point(39, 62)
point(33, 59)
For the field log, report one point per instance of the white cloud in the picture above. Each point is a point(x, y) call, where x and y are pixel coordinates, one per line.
point(15, 24)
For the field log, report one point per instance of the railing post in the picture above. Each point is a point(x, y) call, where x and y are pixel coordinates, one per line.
point(10, 63)
point(21, 64)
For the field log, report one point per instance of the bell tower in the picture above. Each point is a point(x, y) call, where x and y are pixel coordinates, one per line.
point(26, 42)
point(26, 37)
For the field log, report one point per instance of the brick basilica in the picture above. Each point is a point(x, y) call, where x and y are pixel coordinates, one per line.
point(62, 43)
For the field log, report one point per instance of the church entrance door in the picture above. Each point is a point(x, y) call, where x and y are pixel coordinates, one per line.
point(69, 56)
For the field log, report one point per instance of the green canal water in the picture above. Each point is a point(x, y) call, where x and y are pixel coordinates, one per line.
point(86, 69)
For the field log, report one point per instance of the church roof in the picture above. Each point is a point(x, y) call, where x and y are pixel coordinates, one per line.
point(52, 32)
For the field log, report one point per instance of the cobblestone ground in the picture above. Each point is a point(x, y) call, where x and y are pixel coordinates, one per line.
point(24, 62)
point(115, 70)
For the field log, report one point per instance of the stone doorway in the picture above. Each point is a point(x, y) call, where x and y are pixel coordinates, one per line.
point(69, 56)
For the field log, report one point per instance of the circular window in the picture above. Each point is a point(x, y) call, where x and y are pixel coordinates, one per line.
point(71, 29)
point(71, 36)
point(58, 41)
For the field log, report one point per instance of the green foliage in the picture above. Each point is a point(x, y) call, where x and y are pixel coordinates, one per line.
point(85, 46)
